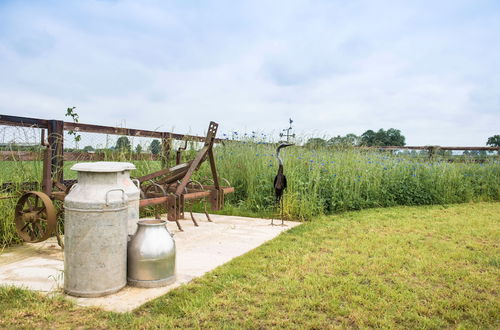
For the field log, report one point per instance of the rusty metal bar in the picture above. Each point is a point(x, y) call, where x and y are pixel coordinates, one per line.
point(194, 165)
point(56, 143)
point(187, 196)
point(166, 145)
point(11, 155)
point(23, 121)
point(78, 127)
point(90, 128)
point(176, 169)
point(430, 147)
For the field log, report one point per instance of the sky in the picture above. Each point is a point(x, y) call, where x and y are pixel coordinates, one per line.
point(428, 68)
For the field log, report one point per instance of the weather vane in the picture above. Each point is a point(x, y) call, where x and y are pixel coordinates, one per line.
point(288, 135)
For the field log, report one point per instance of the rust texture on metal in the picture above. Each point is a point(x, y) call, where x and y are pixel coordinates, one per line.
point(173, 187)
point(36, 215)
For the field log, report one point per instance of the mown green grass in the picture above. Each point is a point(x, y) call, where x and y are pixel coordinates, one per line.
point(403, 267)
point(320, 181)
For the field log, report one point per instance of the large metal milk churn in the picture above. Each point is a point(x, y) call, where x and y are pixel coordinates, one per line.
point(95, 226)
point(131, 187)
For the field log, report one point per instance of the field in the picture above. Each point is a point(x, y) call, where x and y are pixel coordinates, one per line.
point(320, 181)
point(400, 267)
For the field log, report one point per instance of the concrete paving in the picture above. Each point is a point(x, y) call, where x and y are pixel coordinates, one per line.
point(199, 250)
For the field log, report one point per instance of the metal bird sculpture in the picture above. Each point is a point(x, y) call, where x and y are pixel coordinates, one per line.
point(280, 181)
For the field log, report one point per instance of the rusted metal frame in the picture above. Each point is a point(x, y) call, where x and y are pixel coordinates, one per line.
point(187, 196)
point(89, 128)
point(178, 154)
point(56, 143)
point(11, 155)
point(200, 157)
point(172, 178)
point(173, 171)
point(213, 168)
point(166, 146)
point(23, 121)
point(431, 147)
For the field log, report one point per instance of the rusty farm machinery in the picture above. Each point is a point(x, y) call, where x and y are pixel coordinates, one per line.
point(38, 214)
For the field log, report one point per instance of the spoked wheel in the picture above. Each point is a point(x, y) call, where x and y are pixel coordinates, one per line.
point(60, 223)
point(35, 217)
point(154, 190)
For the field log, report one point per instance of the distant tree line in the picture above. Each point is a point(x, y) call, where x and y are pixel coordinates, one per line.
point(123, 144)
point(370, 138)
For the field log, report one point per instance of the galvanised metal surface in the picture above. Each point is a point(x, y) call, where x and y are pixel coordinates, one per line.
point(131, 188)
point(151, 255)
point(96, 214)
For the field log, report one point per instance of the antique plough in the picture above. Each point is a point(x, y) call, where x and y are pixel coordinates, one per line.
point(38, 214)
point(173, 187)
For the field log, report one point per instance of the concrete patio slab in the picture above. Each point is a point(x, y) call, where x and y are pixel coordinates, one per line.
point(199, 250)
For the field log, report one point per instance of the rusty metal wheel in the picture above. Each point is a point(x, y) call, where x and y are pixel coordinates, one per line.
point(59, 231)
point(154, 190)
point(35, 217)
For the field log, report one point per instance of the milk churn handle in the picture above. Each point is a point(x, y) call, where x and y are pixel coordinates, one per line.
point(137, 183)
point(116, 189)
point(72, 187)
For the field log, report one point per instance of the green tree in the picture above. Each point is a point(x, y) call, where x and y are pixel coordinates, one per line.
point(315, 142)
point(493, 141)
point(155, 147)
point(394, 137)
point(368, 138)
point(347, 140)
point(88, 148)
point(123, 144)
point(138, 149)
point(391, 137)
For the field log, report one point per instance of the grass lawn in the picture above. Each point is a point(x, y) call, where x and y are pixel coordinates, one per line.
point(423, 267)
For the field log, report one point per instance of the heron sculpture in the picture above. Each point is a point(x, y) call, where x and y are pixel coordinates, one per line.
point(280, 181)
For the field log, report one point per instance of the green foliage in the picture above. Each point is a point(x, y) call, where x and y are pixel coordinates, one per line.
point(325, 181)
point(315, 143)
point(70, 112)
point(155, 147)
point(397, 268)
point(391, 137)
point(123, 144)
point(138, 149)
point(88, 149)
point(494, 141)
point(344, 141)
point(320, 180)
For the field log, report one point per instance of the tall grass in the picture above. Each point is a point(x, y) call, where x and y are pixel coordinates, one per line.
point(320, 181)
point(323, 181)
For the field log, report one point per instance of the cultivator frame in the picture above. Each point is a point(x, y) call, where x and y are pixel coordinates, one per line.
point(169, 189)
point(173, 187)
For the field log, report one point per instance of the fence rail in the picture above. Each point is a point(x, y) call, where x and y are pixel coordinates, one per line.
point(56, 130)
point(89, 128)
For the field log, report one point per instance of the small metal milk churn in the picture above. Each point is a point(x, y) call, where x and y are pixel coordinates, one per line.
point(151, 255)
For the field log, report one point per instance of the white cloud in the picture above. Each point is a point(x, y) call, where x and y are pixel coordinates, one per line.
point(430, 69)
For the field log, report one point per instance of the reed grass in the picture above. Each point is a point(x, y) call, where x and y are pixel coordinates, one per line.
point(320, 181)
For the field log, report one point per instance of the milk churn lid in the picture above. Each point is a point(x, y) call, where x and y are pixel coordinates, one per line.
point(103, 167)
